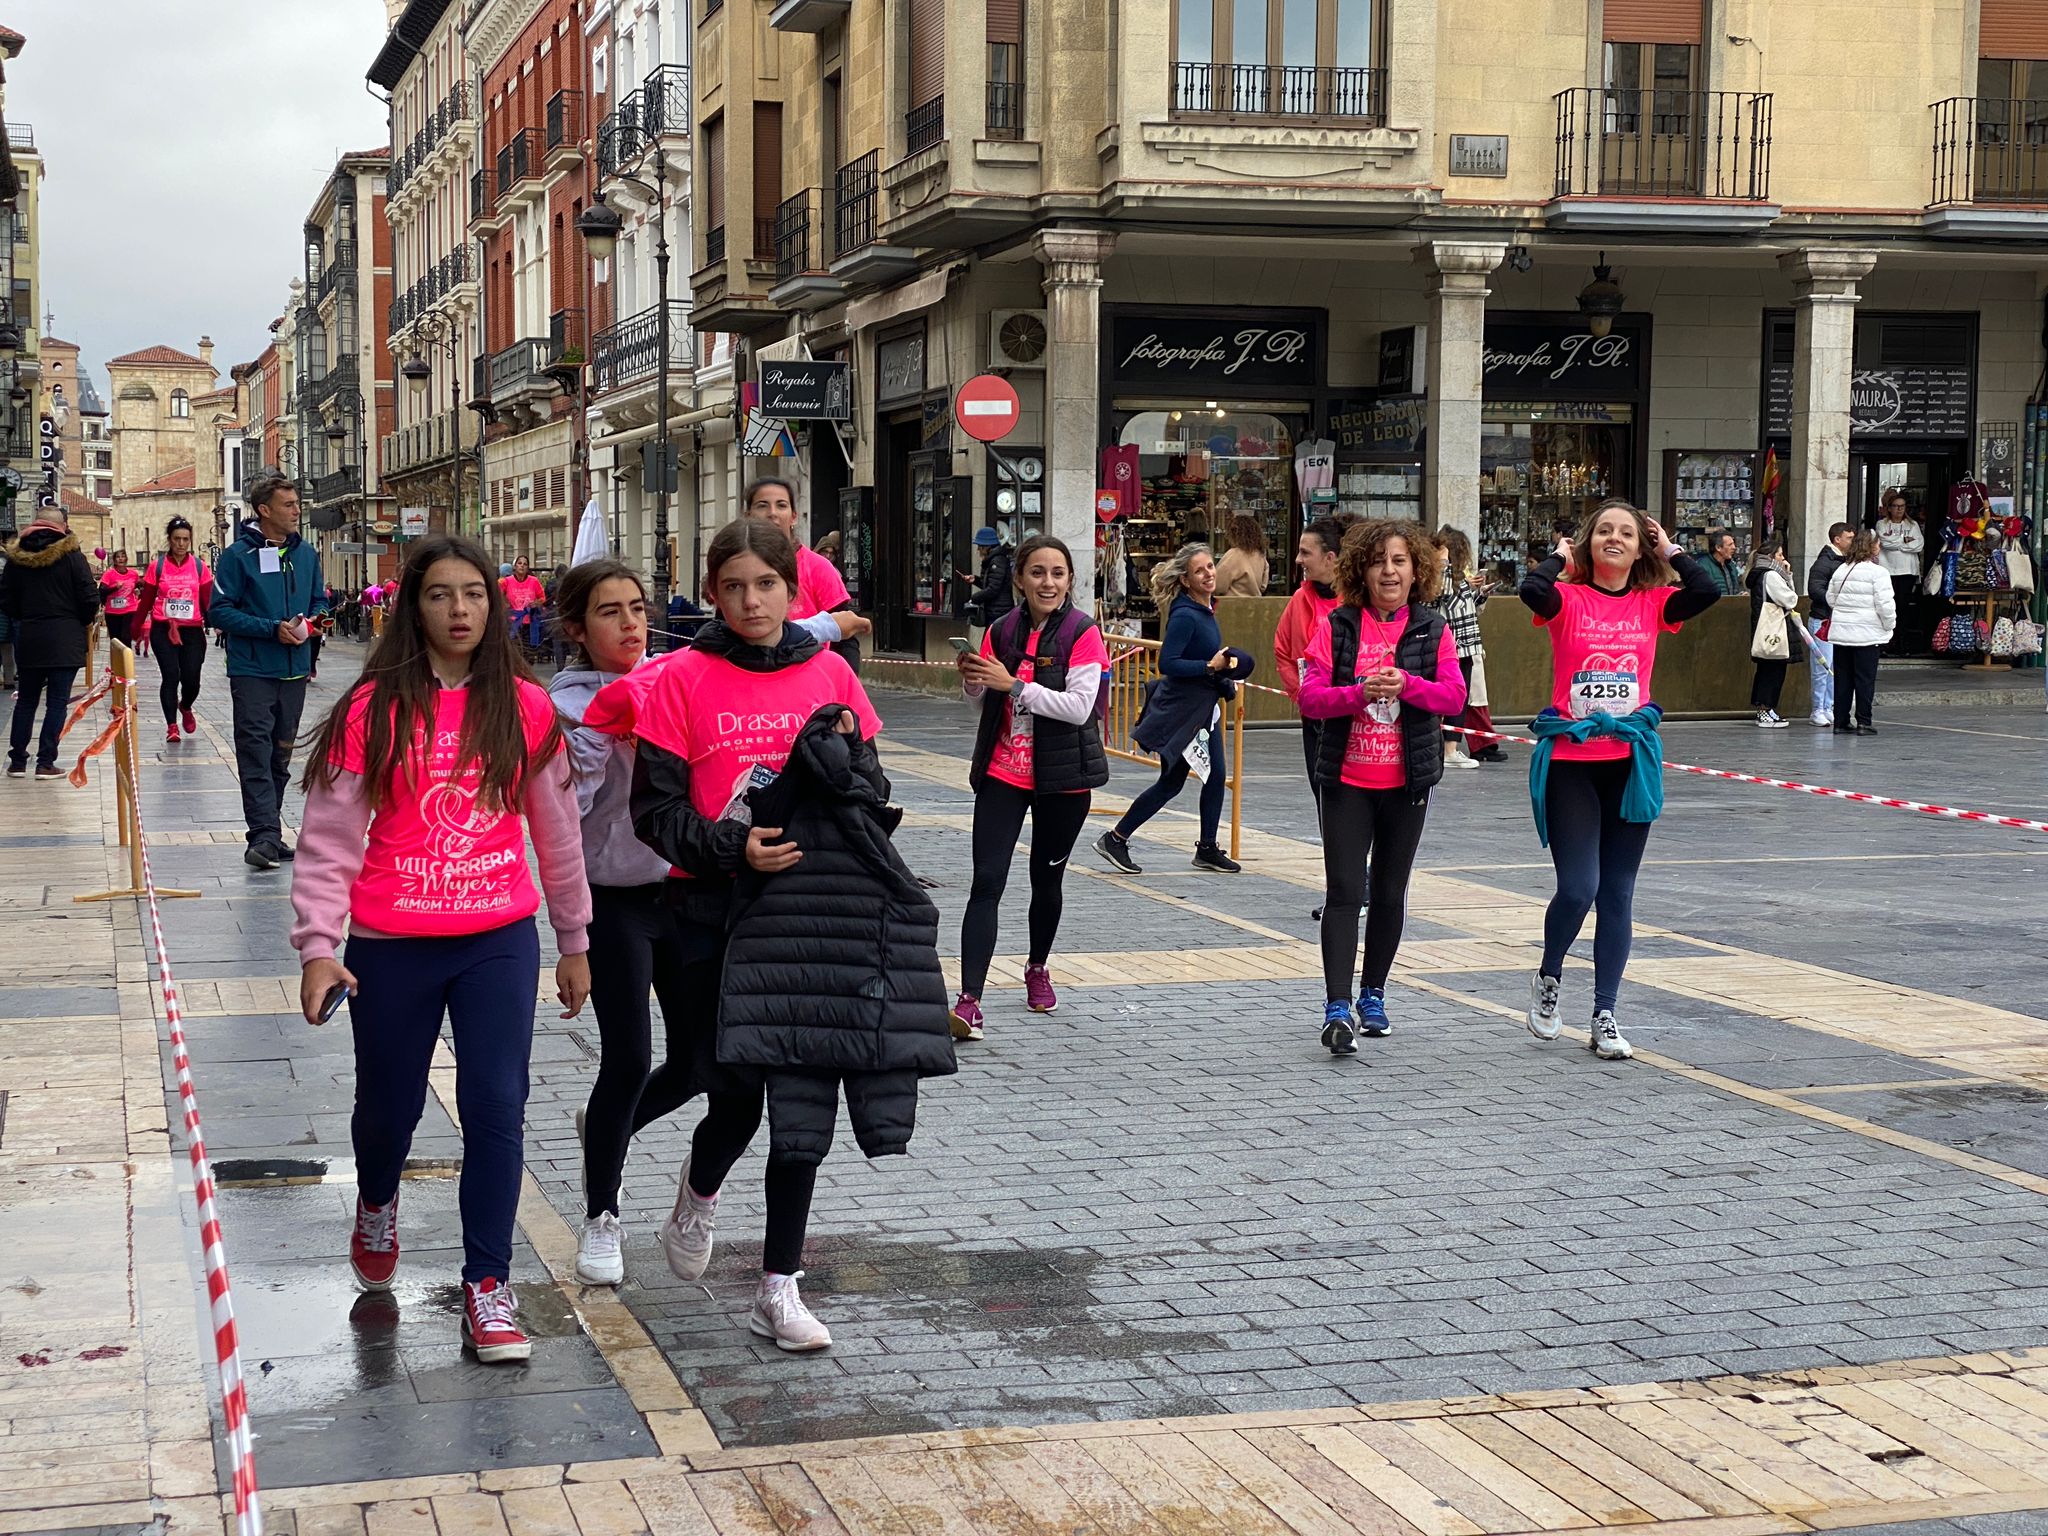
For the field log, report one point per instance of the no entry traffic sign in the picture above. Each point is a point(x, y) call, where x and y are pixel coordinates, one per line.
point(987, 408)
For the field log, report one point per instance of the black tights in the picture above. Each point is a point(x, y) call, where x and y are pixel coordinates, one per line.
point(723, 1135)
point(180, 665)
point(1173, 774)
point(1597, 856)
point(1056, 823)
point(1382, 827)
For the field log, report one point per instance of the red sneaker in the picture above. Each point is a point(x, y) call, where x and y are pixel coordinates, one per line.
point(490, 1323)
point(373, 1247)
point(171, 735)
point(191, 723)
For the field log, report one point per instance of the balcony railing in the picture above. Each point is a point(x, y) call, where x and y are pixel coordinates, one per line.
point(20, 136)
point(342, 267)
point(764, 238)
point(406, 162)
point(339, 380)
point(714, 245)
point(346, 481)
point(565, 120)
point(1990, 149)
point(856, 194)
point(801, 231)
point(1654, 143)
point(924, 126)
point(619, 139)
point(520, 364)
point(631, 350)
point(665, 99)
point(481, 197)
point(519, 160)
point(566, 336)
point(1291, 91)
point(1005, 116)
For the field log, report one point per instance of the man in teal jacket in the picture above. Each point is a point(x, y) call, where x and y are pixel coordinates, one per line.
point(267, 591)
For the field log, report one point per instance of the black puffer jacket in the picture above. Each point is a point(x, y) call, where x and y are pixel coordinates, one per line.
point(48, 590)
point(832, 966)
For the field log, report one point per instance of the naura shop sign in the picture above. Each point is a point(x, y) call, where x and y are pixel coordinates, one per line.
point(1562, 360)
point(1220, 349)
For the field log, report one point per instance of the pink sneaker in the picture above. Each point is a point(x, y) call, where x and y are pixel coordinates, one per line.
point(967, 1019)
point(191, 722)
point(1039, 996)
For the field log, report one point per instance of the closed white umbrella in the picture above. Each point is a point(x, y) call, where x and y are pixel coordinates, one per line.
point(591, 542)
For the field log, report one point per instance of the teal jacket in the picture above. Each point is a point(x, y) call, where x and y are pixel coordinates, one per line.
point(1643, 800)
point(249, 603)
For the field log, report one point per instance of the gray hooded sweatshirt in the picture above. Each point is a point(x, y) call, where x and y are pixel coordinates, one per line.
point(603, 767)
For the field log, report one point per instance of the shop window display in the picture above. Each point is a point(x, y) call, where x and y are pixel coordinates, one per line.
point(1541, 472)
point(1198, 467)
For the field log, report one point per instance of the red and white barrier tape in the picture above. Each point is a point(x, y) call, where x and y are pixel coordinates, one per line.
point(234, 1395)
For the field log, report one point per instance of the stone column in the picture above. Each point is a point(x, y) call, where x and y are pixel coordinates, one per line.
point(1073, 390)
point(1457, 345)
point(1823, 363)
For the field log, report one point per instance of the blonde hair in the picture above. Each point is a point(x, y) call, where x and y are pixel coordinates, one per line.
point(1166, 575)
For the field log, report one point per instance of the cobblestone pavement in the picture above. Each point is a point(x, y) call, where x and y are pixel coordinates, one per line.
point(1162, 1204)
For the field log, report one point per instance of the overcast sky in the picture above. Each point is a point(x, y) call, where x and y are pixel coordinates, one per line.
point(185, 141)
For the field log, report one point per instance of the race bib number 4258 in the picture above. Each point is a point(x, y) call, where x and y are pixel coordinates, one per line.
point(1615, 691)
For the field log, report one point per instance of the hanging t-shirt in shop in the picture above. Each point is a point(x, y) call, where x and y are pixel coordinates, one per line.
point(1119, 467)
point(1315, 469)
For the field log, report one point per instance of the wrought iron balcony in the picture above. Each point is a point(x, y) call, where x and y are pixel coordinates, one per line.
point(344, 482)
point(1990, 149)
point(1687, 145)
point(341, 380)
point(1286, 92)
point(665, 100)
point(924, 126)
point(800, 236)
point(565, 121)
point(481, 197)
point(519, 161)
point(1005, 115)
point(341, 269)
point(855, 203)
point(522, 369)
point(630, 351)
point(20, 136)
point(566, 336)
point(619, 139)
point(714, 245)
point(764, 238)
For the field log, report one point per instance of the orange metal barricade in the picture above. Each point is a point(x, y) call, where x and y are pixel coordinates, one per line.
point(1134, 667)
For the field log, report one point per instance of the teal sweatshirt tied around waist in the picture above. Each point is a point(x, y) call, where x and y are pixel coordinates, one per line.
point(1642, 800)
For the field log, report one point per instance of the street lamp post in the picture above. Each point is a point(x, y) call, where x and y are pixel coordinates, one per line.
point(599, 227)
point(440, 333)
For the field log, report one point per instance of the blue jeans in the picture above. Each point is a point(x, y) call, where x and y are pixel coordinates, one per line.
point(1822, 672)
point(485, 984)
point(38, 684)
point(1597, 855)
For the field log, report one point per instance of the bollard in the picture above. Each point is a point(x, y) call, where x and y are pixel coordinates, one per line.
point(127, 763)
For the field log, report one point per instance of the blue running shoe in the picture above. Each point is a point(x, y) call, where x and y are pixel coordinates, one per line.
point(1338, 1034)
point(1372, 1014)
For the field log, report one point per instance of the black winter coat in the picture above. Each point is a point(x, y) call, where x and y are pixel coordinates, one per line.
point(47, 589)
point(832, 966)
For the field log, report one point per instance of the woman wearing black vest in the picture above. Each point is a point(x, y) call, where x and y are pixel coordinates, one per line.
point(1039, 750)
point(1383, 671)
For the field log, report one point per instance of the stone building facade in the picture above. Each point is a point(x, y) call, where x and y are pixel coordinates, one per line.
point(159, 427)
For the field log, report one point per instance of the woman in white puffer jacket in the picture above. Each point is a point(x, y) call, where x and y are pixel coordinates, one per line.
point(1864, 615)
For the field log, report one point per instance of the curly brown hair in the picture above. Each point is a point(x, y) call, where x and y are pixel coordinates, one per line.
point(1361, 552)
point(1651, 568)
point(1457, 552)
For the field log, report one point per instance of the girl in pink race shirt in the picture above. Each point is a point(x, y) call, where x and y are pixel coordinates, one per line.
point(525, 596)
point(173, 599)
point(424, 783)
point(117, 589)
point(1382, 673)
point(819, 588)
point(1596, 778)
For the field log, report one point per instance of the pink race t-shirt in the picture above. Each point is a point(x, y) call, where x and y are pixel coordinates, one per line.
point(1603, 647)
point(437, 863)
point(1011, 759)
point(120, 589)
point(725, 721)
point(1373, 758)
point(177, 590)
point(818, 586)
point(523, 595)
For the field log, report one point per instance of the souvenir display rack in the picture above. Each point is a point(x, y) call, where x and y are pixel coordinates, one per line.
point(1710, 488)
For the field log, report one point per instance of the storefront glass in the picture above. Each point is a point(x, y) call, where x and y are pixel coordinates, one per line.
point(1542, 468)
point(1199, 466)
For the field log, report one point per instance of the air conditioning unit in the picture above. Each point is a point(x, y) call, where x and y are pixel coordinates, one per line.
point(1016, 338)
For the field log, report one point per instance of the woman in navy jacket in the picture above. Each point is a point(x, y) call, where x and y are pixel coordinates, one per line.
point(1196, 673)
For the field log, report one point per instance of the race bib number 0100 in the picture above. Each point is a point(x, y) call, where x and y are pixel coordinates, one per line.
point(181, 609)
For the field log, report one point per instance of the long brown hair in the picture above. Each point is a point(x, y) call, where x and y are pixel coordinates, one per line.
point(399, 685)
point(1651, 568)
point(1457, 553)
point(754, 536)
point(575, 590)
point(1361, 552)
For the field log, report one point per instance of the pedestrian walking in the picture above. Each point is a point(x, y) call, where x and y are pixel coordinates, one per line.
point(176, 593)
point(1383, 675)
point(1818, 575)
point(422, 787)
point(267, 590)
point(1596, 776)
point(1862, 619)
point(820, 588)
point(1462, 593)
point(636, 945)
point(117, 598)
point(1244, 569)
point(1776, 639)
point(812, 958)
point(1315, 556)
point(526, 599)
point(1038, 752)
point(49, 596)
point(1182, 716)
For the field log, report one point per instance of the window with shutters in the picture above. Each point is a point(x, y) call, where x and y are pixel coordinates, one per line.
point(1280, 58)
point(1005, 119)
point(713, 172)
point(925, 123)
point(767, 176)
point(1999, 140)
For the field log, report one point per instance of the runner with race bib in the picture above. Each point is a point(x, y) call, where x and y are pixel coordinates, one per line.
point(173, 598)
point(1596, 779)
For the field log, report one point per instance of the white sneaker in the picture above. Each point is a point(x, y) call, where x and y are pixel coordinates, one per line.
point(780, 1314)
point(1819, 719)
point(1778, 721)
point(1605, 1041)
point(686, 1237)
point(1460, 760)
point(1543, 1021)
point(600, 1251)
point(1763, 719)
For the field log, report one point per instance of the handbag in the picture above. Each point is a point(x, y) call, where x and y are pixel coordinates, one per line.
point(2001, 642)
point(1965, 635)
point(1939, 644)
point(2026, 638)
point(1770, 642)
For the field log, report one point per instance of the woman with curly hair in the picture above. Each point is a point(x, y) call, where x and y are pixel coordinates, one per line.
point(1383, 673)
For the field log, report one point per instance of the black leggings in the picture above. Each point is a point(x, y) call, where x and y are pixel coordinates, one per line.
point(723, 1135)
point(1056, 823)
point(1383, 826)
point(1597, 855)
point(635, 945)
point(179, 665)
point(121, 627)
point(1172, 775)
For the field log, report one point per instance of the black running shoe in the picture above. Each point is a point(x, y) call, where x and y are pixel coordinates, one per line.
point(1116, 852)
point(1208, 856)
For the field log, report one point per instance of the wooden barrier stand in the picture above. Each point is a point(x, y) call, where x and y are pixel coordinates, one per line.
point(1134, 667)
point(127, 761)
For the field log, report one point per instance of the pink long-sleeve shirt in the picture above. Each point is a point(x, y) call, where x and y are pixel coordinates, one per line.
point(1373, 758)
point(431, 862)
